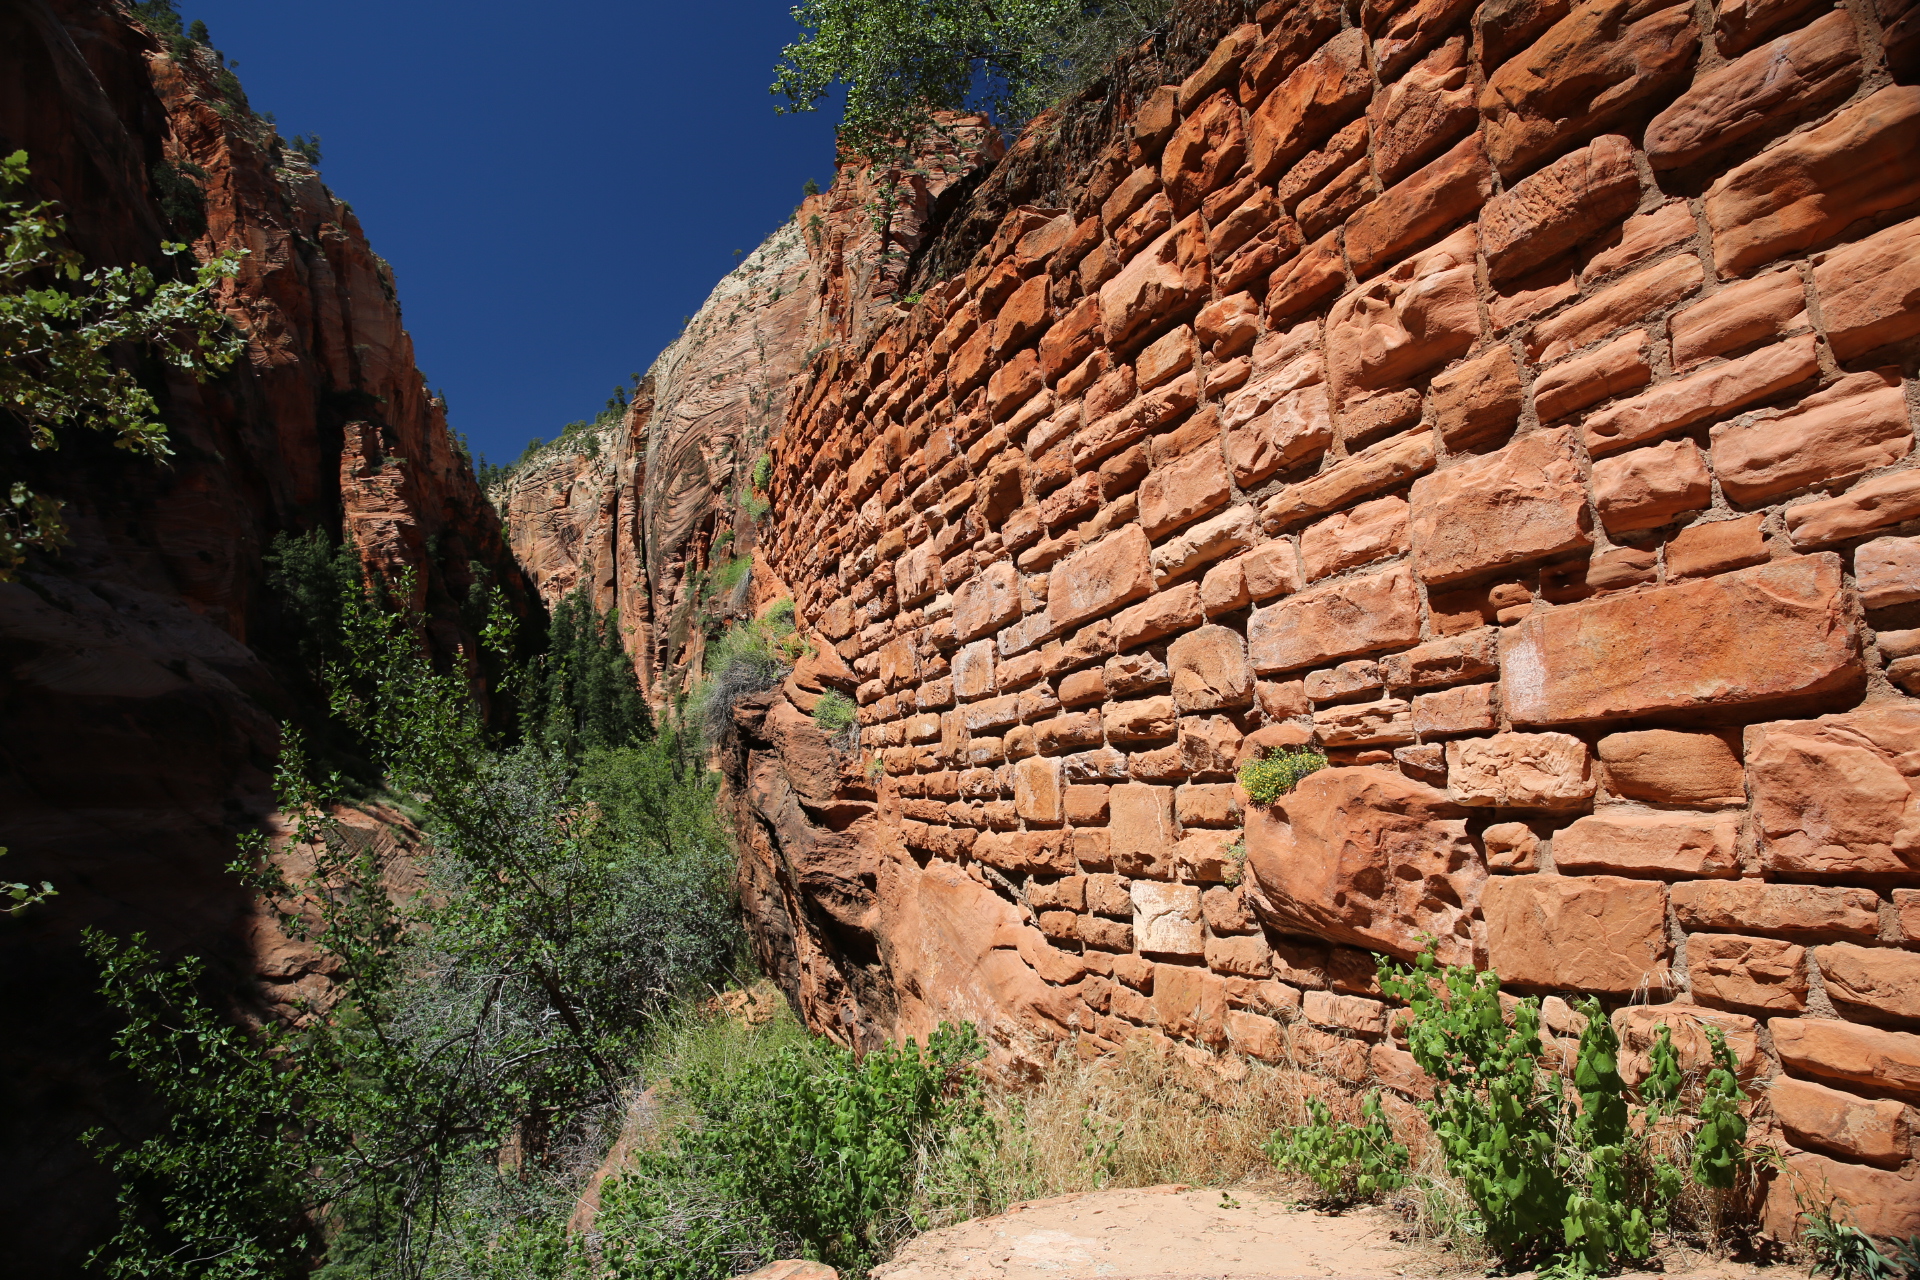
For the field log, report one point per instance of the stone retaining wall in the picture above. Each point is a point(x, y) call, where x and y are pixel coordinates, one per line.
point(1517, 403)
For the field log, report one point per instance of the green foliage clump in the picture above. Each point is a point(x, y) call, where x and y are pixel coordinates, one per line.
point(1573, 1181)
point(178, 196)
point(835, 713)
point(1349, 1163)
point(813, 1145)
point(310, 577)
point(744, 659)
point(1270, 777)
point(58, 362)
point(24, 895)
point(1842, 1251)
point(308, 145)
point(763, 471)
point(1720, 1146)
point(583, 695)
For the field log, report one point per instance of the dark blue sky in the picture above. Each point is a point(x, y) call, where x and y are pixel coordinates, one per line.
point(555, 184)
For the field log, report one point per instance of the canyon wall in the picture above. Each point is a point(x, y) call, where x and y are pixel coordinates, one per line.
point(146, 665)
point(1516, 403)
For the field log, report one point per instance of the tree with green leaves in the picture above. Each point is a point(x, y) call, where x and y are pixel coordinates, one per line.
point(60, 362)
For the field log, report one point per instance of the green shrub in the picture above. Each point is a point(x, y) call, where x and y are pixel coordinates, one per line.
point(1349, 1163)
point(1267, 779)
point(835, 713)
point(763, 472)
point(1842, 1251)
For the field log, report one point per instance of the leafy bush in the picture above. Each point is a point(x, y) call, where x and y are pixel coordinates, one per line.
point(763, 471)
point(308, 145)
point(1349, 1163)
point(583, 694)
point(835, 713)
point(744, 659)
point(1842, 1251)
point(1267, 779)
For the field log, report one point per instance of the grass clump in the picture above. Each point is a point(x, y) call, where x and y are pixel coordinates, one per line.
point(1270, 777)
point(835, 713)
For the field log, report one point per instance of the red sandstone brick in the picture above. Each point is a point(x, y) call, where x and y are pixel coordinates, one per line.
point(1888, 1060)
point(1583, 933)
point(1365, 723)
point(1881, 501)
point(1614, 369)
point(1552, 211)
point(1478, 400)
point(1270, 570)
point(1318, 271)
point(1650, 487)
point(1423, 111)
point(1327, 90)
point(1633, 301)
point(1813, 1115)
point(1205, 150)
point(1468, 709)
point(1520, 771)
point(1808, 188)
point(1348, 539)
point(1766, 632)
point(1670, 844)
point(1100, 578)
point(1522, 503)
point(1378, 467)
point(1887, 572)
point(1704, 549)
point(1210, 670)
point(1870, 291)
point(1419, 315)
point(1717, 392)
point(1855, 425)
point(1875, 982)
point(1297, 428)
point(1741, 314)
point(1419, 207)
point(1448, 661)
point(1750, 906)
point(1831, 795)
point(1641, 237)
point(1746, 973)
point(1184, 491)
point(1338, 620)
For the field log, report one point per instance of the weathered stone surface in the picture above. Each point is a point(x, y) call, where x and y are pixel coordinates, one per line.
point(1511, 846)
point(1650, 487)
point(1807, 189)
point(1633, 301)
point(1874, 1130)
point(1380, 466)
point(1161, 280)
point(1158, 615)
point(1638, 1026)
point(1203, 152)
point(1582, 933)
point(1521, 771)
point(1665, 766)
point(1856, 425)
point(1325, 92)
point(1591, 67)
point(1717, 392)
point(1423, 111)
point(1463, 657)
point(1615, 369)
point(1871, 982)
point(1666, 844)
point(1882, 501)
point(1098, 579)
point(1878, 1201)
point(1750, 906)
point(1184, 491)
point(1141, 720)
point(1767, 632)
point(1037, 790)
point(1702, 550)
point(1140, 828)
point(1887, 572)
point(1337, 620)
point(1470, 709)
point(1522, 503)
point(1747, 973)
point(1166, 918)
point(1837, 794)
point(1757, 93)
point(1367, 857)
point(1233, 530)
point(1210, 670)
point(1365, 723)
point(1419, 207)
point(1371, 531)
point(1846, 1051)
point(1743, 313)
point(1548, 213)
point(1419, 315)
point(1477, 400)
point(1870, 291)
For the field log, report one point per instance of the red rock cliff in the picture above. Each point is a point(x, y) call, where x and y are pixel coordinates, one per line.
point(1517, 403)
point(138, 711)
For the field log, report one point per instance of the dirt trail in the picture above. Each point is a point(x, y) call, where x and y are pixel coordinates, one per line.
point(1175, 1233)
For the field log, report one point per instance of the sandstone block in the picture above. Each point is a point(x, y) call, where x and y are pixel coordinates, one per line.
point(1098, 579)
point(1712, 393)
point(987, 601)
point(1336, 620)
point(1630, 303)
point(1749, 973)
point(1190, 1003)
point(1702, 550)
point(1520, 771)
point(1881, 501)
point(1855, 425)
point(1348, 1013)
point(1741, 314)
point(1159, 281)
point(1244, 956)
point(1419, 207)
point(1184, 491)
point(1836, 795)
point(1887, 572)
point(1296, 428)
point(1590, 67)
point(1210, 670)
point(1344, 681)
point(1317, 271)
point(1109, 895)
point(1878, 1201)
point(1875, 982)
point(1649, 487)
point(1478, 400)
point(1078, 688)
point(1522, 503)
point(1377, 467)
point(1204, 856)
point(1166, 919)
point(1281, 699)
point(1347, 539)
point(1224, 589)
point(1130, 673)
point(1876, 1131)
point(1337, 1056)
point(1326, 91)
point(1204, 152)
point(1417, 316)
point(1670, 844)
point(1255, 1035)
point(1086, 804)
point(1548, 213)
point(1757, 93)
point(1422, 111)
point(1750, 906)
point(1467, 656)
point(1207, 805)
point(1808, 188)
point(1226, 912)
point(1870, 291)
point(1208, 745)
point(1766, 632)
point(1638, 1027)
point(1038, 794)
point(1614, 369)
point(1846, 1051)
point(1365, 723)
point(1367, 857)
point(1469, 709)
point(1664, 766)
point(1140, 720)
point(1158, 615)
point(1106, 935)
point(1140, 829)
point(1511, 846)
point(1586, 933)
point(1640, 238)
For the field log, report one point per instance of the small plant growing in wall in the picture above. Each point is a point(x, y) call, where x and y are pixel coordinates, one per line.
point(1267, 779)
point(835, 713)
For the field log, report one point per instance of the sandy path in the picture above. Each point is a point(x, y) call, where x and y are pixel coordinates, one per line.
point(1175, 1233)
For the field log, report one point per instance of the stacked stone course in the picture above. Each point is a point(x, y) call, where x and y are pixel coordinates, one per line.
point(1516, 403)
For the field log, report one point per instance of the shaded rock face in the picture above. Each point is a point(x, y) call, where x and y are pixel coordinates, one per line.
point(145, 670)
point(1520, 410)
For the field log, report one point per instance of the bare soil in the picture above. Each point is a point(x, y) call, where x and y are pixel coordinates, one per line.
point(1178, 1233)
